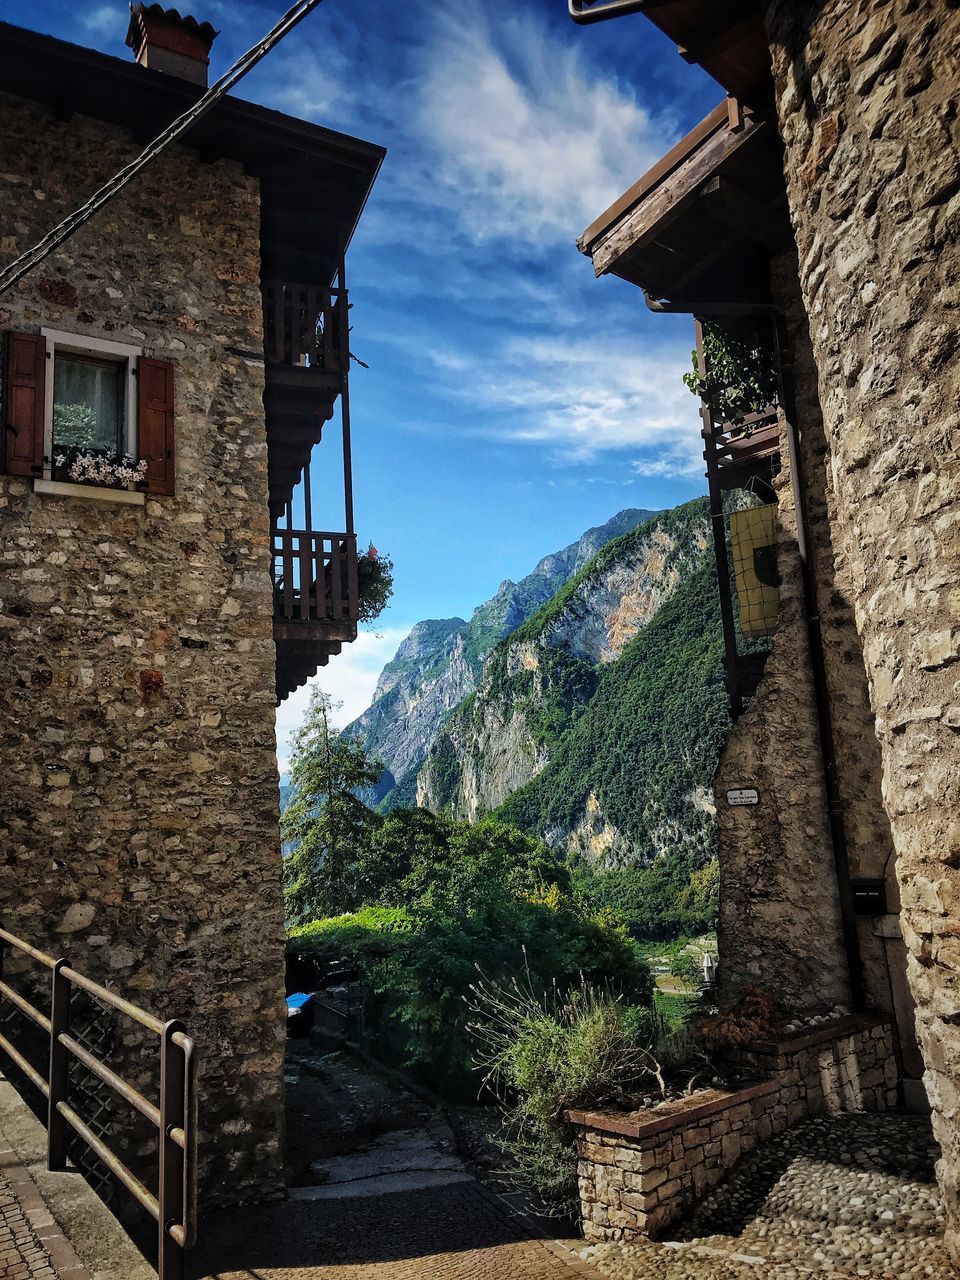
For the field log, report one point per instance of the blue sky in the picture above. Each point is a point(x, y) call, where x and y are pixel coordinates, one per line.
point(512, 399)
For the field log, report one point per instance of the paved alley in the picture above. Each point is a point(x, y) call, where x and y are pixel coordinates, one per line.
point(32, 1246)
point(378, 1191)
point(453, 1232)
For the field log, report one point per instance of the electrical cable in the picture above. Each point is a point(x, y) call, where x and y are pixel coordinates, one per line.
point(74, 221)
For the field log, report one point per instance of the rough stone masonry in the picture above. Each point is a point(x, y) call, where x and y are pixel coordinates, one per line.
point(138, 808)
point(869, 109)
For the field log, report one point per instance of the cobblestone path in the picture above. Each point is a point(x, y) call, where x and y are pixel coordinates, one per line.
point(378, 1192)
point(848, 1197)
point(30, 1240)
point(442, 1233)
point(21, 1253)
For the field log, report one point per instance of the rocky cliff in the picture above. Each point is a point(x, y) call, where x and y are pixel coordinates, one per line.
point(597, 723)
point(441, 661)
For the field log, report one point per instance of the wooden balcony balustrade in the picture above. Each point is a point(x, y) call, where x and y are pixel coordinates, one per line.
point(307, 363)
point(316, 601)
point(305, 326)
point(315, 576)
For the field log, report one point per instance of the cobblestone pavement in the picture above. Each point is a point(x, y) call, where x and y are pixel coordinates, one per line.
point(29, 1235)
point(853, 1196)
point(444, 1233)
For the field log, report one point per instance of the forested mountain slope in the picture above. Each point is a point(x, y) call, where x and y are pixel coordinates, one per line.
point(441, 660)
point(597, 723)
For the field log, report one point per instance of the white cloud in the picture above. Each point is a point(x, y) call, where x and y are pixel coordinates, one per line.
point(526, 140)
point(309, 87)
point(107, 19)
point(669, 465)
point(581, 399)
point(349, 678)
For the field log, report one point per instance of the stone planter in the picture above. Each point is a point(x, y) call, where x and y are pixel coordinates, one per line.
point(640, 1170)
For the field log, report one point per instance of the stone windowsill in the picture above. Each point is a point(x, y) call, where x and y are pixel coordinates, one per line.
point(90, 492)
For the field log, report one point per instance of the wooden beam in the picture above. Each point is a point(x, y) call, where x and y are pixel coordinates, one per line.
point(718, 244)
point(674, 157)
point(647, 220)
point(745, 214)
point(731, 22)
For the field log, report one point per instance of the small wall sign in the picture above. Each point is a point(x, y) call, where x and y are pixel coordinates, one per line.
point(743, 795)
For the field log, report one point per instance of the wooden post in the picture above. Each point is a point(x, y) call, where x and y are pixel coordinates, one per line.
point(724, 585)
point(345, 398)
point(59, 1076)
point(170, 1260)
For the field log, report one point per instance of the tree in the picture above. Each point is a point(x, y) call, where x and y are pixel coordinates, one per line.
point(325, 823)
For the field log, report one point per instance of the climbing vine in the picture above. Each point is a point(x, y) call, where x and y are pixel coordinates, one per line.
point(740, 377)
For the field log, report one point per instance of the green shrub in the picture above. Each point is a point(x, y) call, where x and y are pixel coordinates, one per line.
point(374, 583)
point(417, 966)
point(546, 1055)
point(687, 968)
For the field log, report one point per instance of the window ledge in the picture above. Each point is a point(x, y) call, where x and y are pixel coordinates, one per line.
point(92, 492)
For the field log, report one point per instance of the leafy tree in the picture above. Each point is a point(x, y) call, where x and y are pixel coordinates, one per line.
point(324, 823)
point(740, 377)
point(700, 901)
point(687, 967)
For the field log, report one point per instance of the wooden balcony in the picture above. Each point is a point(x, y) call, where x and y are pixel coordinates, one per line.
point(306, 355)
point(315, 601)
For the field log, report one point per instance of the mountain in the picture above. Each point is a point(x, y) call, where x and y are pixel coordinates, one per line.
point(598, 722)
point(440, 663)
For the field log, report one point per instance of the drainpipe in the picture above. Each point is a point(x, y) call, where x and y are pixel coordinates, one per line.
point(585, 12)
point(838, 838)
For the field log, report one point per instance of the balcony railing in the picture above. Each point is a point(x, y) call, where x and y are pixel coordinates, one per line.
point(314, 576)
point(305, 326)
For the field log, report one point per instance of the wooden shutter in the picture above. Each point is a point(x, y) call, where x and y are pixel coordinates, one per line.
point(155, 440)
point(25, 404)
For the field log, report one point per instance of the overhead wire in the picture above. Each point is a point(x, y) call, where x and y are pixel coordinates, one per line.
point(17, 269)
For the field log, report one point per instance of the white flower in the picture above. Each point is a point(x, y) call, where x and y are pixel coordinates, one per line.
point(94, 468)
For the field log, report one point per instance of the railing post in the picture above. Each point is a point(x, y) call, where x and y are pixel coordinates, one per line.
point(58, 1080)
point(170, 1260)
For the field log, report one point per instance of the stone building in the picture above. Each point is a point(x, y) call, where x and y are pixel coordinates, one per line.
point(822, 200)
point(151, 617)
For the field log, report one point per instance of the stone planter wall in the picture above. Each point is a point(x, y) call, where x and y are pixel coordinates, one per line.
point(639, 1171)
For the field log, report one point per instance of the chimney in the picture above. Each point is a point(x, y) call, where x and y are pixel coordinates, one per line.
point(162, 40)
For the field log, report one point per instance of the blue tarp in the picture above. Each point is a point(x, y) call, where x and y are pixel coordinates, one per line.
point(298, 1000)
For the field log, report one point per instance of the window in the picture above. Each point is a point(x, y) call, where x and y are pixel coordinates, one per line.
point(88, 411)
point(90, 426)
point(87, 404)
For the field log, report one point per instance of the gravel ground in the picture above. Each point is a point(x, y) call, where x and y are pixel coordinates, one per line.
point(851, 1196)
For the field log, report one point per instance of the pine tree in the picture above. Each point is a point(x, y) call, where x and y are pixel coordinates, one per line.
point(325, 822)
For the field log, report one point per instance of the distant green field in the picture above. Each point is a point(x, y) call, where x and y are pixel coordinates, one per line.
point(675, 1010)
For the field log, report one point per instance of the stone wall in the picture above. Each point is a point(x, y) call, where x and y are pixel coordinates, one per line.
point(778, 879)
point(778, 885)
point(868, 107)
point(139, 801)
point(638, 1172)
point(856, 751)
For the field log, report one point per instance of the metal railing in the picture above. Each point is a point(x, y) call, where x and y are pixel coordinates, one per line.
point(305, 325)
point(315, 576)
point(174, 1208)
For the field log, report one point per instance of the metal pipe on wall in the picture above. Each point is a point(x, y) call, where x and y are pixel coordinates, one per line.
point(585, 12)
